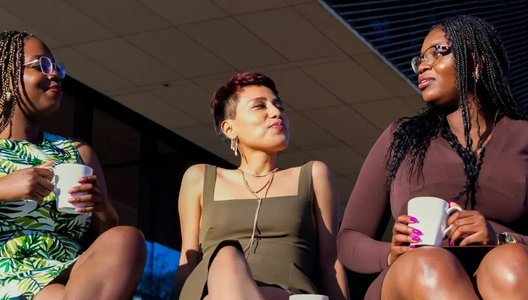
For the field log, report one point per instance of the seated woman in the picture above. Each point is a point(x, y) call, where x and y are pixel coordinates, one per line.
point(469, 146)
point(259, 231)
point(40, 248)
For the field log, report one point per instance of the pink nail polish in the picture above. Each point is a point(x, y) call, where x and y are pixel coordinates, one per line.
point(413, 219)
point(416, 231)
point(451, 243)
point(416, 238)
point(412, 247)
point(82, 179)
point(71, 200)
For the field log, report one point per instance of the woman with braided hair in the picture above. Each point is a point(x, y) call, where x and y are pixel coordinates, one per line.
point(469, 146)
point(41, 249)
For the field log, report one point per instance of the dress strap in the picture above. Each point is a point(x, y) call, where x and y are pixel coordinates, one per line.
point(305, 181)
point(209, 184)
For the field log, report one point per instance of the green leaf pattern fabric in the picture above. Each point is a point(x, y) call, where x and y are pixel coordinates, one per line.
point(37, 242)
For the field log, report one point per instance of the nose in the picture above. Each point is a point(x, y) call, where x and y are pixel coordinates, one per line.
point(54, 75)
point(274, 111)
point(423, 66)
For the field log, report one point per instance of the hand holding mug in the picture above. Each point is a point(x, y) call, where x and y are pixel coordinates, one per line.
point(472, 228)
point(71, 191)
point(86, 195)
point(402, 236)
point(30, 183)
point(432, 214)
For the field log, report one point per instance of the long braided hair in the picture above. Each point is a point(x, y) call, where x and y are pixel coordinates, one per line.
point(476, 45)
point(12, 66)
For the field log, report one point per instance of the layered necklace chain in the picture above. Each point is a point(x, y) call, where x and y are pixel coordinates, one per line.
point(264, 188)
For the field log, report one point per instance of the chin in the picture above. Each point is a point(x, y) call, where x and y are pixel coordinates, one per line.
point(48, 111)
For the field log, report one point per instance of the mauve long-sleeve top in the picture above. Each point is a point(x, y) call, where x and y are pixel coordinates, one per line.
point(501, 192)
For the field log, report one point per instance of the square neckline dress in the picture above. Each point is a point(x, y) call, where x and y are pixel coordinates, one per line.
point(285, 252)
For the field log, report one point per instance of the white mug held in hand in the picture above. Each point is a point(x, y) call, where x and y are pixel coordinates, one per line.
point(66, 177)
point(432, 214)
point(308, 297)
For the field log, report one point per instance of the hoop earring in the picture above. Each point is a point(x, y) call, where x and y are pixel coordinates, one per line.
point(234, 146)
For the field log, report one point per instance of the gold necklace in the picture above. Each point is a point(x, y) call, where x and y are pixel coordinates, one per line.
point(259, 204)
point(255, 175)
point(248, 187)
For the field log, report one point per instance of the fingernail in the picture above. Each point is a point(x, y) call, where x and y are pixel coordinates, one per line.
point(72, 191)
point(416, 231)
point(451, 243)
point(71, 200)
point(79, 210)
point(416, 238)
point(412, 246)
point(82, 179)
point(413, 219)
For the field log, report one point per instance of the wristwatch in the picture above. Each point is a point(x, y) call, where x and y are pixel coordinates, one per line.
point(505, 238)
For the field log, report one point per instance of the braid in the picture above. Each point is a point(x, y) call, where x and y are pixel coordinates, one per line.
point(12, 62)
point(475, 45)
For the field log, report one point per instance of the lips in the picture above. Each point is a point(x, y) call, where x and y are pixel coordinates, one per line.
point(54, 89)
point(423, 82)
point(277, 125)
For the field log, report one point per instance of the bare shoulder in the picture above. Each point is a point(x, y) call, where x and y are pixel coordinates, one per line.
point(194, 175)
point(320, 170)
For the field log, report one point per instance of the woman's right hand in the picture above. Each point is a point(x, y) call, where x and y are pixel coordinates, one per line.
point(31, 183)
point(402, 236)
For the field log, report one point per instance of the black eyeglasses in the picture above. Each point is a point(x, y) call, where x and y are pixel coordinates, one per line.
point(46, 66)
point(430, 56)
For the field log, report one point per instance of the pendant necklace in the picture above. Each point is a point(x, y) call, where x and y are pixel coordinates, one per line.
point(265, 187)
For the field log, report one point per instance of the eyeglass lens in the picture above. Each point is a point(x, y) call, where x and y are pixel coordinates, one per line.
point(47, 67)
point(429, 56)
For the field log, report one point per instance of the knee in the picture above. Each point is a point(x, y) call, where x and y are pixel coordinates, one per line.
point(228, 255)
point(506, 266)
point(427, 267)
point(228, 258)
point(126, 241)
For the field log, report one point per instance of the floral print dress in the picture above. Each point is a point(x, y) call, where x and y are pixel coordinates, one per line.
point(37, 242)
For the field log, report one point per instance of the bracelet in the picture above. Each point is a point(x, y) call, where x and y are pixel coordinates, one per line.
point(505, 238)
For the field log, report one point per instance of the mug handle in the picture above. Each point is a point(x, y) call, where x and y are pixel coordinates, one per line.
point(451, 210)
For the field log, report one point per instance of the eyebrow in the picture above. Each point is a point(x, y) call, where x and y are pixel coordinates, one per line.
point(258, 98)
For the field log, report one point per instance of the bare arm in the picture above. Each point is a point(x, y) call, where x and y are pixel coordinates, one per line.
point(104, 215)
point(190, 211)
point(326, 209)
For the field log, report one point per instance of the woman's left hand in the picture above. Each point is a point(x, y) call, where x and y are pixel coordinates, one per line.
point(472, 228)
point(91, 201)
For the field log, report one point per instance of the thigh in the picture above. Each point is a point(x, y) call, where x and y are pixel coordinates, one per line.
point(119, 243)
point(51, 291)
point(273, 293)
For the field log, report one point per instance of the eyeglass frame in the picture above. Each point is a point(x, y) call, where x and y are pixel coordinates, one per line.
point(55, 66)
point(441, 50)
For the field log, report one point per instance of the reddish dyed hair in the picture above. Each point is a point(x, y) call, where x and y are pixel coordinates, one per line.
point(223, 103)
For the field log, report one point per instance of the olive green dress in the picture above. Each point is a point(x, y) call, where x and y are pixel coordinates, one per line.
point(37, 242)
point(285, 251)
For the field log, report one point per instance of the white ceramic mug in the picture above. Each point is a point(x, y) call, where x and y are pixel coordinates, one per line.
point(432, 214)
point(308, 297)
point(66, 177)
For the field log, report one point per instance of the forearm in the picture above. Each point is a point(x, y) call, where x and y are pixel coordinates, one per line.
point(104, 220)
point(362, 254)
point(519, 237)
point(335, 282)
